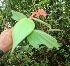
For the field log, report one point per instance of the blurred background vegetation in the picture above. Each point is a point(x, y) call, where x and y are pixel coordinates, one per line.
point(58, 16)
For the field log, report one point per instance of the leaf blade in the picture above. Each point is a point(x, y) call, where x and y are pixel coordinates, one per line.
point(21, 30)
point(17, 15)
point(38, 37)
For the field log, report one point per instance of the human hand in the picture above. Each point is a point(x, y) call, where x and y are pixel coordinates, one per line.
point(6, 40)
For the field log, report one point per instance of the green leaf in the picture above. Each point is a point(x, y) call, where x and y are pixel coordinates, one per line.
point(43, 1)
point(17, 15)
point(22, 29)
point(38, 37)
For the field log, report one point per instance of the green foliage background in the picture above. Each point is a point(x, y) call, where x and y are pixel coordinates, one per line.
point(58, 16)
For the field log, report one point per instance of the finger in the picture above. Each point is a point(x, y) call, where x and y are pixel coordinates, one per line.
point(10, 31)
point(4, 32)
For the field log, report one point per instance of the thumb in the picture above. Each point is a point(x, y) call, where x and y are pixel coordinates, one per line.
point(10, 31)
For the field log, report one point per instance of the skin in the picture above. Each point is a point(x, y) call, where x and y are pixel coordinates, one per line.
point(6, 40)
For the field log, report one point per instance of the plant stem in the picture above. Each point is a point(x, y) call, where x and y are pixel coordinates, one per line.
point(40, 21)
